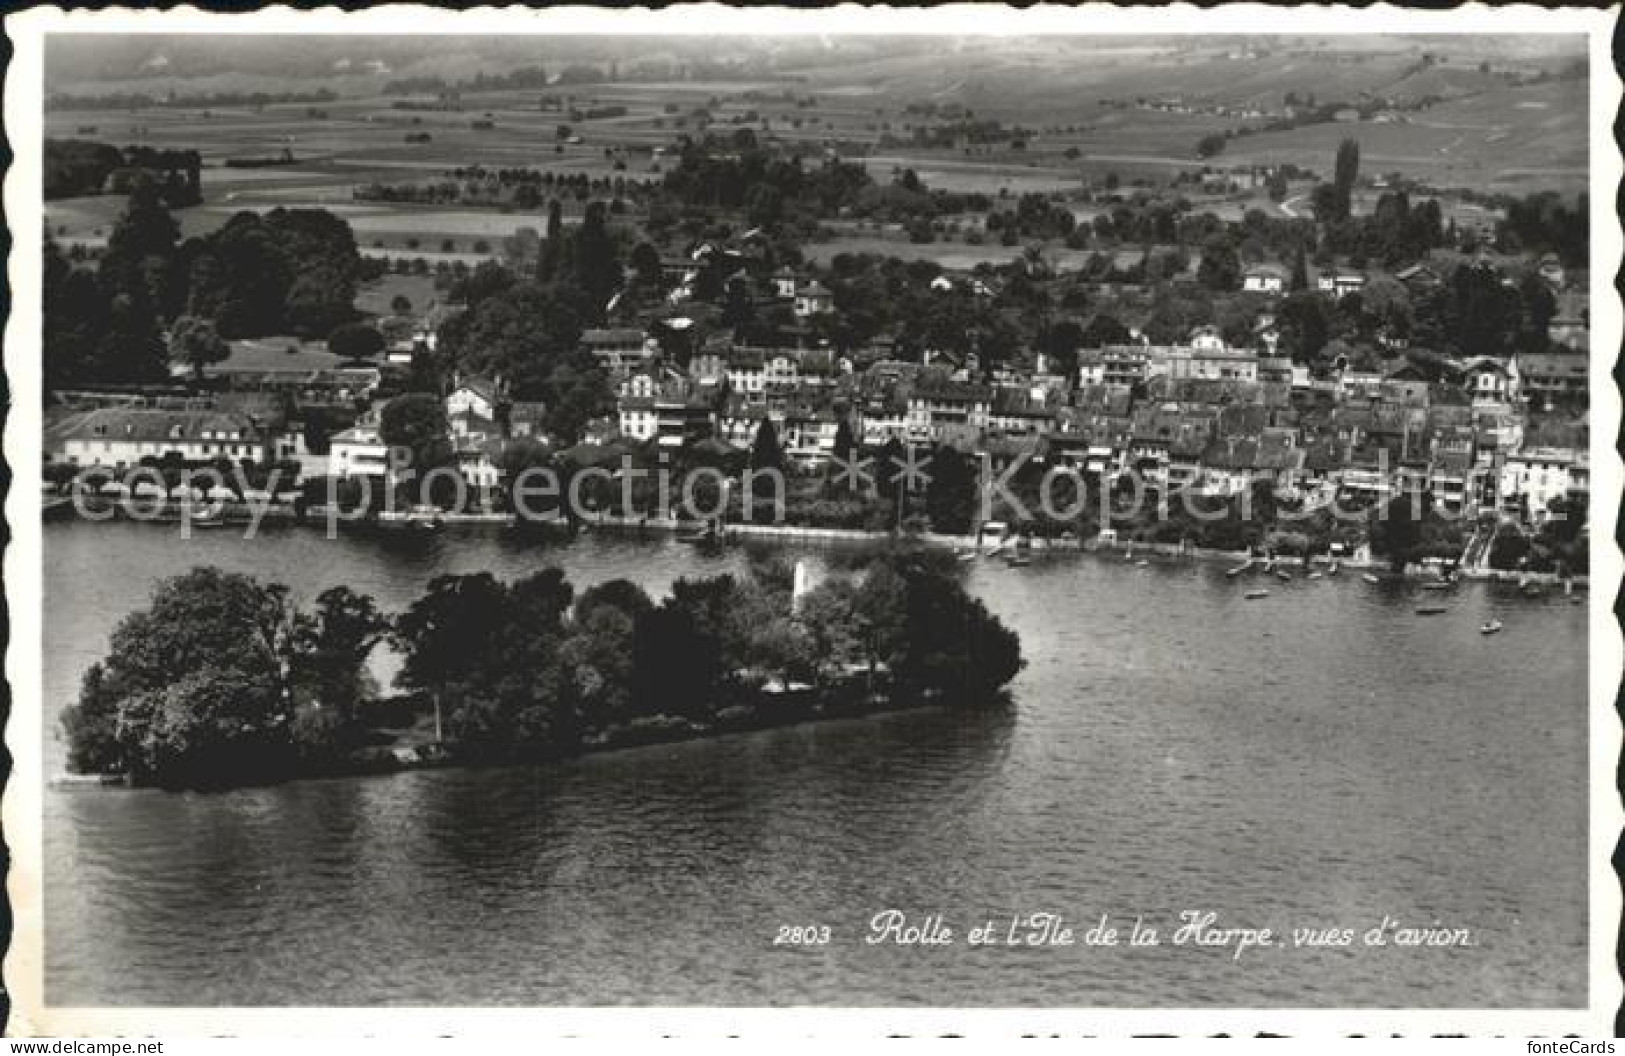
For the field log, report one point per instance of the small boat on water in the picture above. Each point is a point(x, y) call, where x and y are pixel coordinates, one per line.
point(417, 518)
point(1369, 578)
point(1437, 586)
point(967, 555)
point(700, 536)
point(1017, 560)
point(1254, 595)
point(209, 517)
point(1283, 575)
point(1232, 573)
point(1142, 563)
point(1313, 575)
point(1491, 627)
point(1430, 610)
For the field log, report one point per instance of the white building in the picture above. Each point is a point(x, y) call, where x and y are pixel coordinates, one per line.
point(1264, 278)
point(756, 372)
point(1221, 365)
point(123, 436)
point(619, 350)
point(1341, 283)
point(813, 299)
point(1490, 381)
point(358, 452)
point(475, 395)
point(1535, 477)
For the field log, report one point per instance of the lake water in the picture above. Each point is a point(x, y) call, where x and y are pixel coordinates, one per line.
point(1319, 758)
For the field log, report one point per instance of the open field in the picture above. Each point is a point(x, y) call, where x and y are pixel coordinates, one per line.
point(374, 297)
point(1515, 140)
point(1078, 99)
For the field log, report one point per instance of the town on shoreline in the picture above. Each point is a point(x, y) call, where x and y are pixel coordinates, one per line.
point(1292, 405)
point(768, 316)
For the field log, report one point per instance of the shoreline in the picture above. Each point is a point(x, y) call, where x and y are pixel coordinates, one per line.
point(284, 515)
point(644, 732)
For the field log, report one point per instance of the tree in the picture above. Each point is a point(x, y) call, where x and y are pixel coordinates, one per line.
point(400, 304)
point(950, 495)
point(594, 265)
point(141, 249)
point(412, 421)
point(1300, 272)
point(1397, 528)
point(912, 615)
point(194, 343)
point(487, 654)
point(521, 334)
point(1105, 330)
point(553, 250)
point(355, 341)
point(289, 270)
point(487, 280)
point(846, 448)
point(416, 424)
point(195, 689)
point(620, 594)
point(952, 646)
point(1060, 343)
point(333, 644)
point(132, 348)
point(1220, 269)
point(765, 452)
point(523, 249)
point(1345, 170)
point(580, 392)
point(1304, 326)
point(1386, 307)
point(829, 620)
point(595, 661)
point(646, 266)
point(76, 313)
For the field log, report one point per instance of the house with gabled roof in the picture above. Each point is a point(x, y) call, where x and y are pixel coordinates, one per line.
point(1265, 278)
point(474, 393)
point(123, 436)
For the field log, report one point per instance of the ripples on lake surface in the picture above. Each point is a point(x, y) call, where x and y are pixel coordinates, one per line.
point(1319, 758)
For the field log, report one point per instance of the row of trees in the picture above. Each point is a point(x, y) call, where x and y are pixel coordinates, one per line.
point(74, 167)
point(224, 680)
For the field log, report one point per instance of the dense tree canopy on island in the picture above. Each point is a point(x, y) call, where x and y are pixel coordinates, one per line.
point(523, 673)
point(220, 682)
point(223, 680)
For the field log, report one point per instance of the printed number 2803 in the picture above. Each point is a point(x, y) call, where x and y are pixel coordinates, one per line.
point(810, 935)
